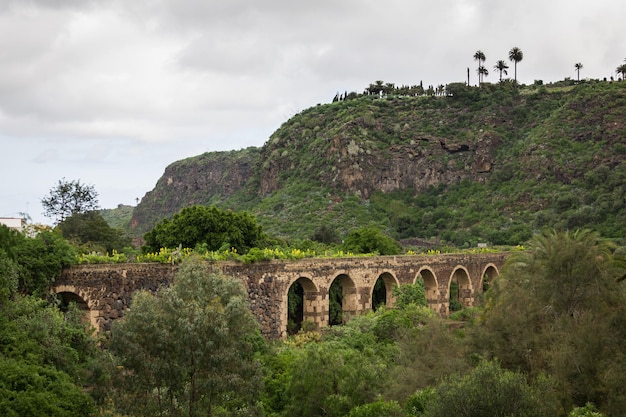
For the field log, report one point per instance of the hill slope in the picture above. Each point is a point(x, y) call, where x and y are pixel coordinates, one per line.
point(490, 164)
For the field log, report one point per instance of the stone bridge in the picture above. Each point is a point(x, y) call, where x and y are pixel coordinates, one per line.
point(105, 291)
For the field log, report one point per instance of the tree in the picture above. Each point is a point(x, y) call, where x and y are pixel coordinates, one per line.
point(501, 67)
point(325, 234)
point(578, 66)
point(489, 390)
point(68, 198)
point(516, 55)
point(39, 260)
point(410, 294)
point(480, 57)
point(482, 72)
point(370, 240)
point(46, 357)
point(92, 233)
point(541, 310)
point(621, 70)
point(345, 369)
point(190, 349)
point(379, 408)
point(210, 227)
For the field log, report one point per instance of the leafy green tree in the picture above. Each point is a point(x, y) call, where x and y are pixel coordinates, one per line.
point(68, 198)
point(589, 410)
point(489, 390)
point(578, 66)
point(428, 350)
point(378, 409)
point(332, 377)
point(326, 234)
point(547, 301)
point(190, 349)
point(92, 233)
point(210, 227)
point(34, 390)
point(47, 359)
point(410, 294)
point(501, 67)
point(37, 260)
point(516, 55)
point(371, 240)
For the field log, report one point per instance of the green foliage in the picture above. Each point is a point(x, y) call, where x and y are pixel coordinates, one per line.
point(68, 198)
point(489, 390)
point(47, 359)
point(331, 378)
point(410, 294)
point(417, 403)
point(91, 233)
point(325, 234)
point(119, 217)
point(208, 226)
point(378, 409)
point(547, 301)
point(589, 410)
point(41, 260)
point(98, 258)
point(35, 390)
point(371, 240)
point(189, 348)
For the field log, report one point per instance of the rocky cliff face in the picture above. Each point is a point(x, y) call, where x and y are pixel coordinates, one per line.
point(203, 179)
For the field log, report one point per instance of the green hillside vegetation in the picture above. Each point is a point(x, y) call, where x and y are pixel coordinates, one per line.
point(118, 218)
point(558, 161)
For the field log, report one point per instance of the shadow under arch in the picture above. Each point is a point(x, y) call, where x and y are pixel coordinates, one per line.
point(460, 292)
point(431, 287)
point(303, 305)
point(342, 300)
point(490, 272)
point(69, 295)
point(382, 292)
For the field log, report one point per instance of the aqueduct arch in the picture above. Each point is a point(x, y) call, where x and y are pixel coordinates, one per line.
point(70, 294)
point(347, 298)
point(384, 284)
point(301, 290)
point(490, 272)
point(431, 287)
point(465, 293)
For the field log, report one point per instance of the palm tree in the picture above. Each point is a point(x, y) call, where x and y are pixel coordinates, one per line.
point(516, 55)
point(578, 67)
point(480, 57)
point(621, 70)
point(482, 72)
point(502, 67)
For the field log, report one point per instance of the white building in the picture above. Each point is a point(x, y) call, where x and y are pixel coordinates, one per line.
point(16, 223)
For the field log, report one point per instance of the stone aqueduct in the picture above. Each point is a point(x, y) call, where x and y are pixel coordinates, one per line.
point(105, 291)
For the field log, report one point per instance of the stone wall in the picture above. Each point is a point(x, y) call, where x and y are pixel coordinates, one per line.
point(107, 290)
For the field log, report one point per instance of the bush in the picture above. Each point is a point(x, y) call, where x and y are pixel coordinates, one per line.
point(378, 409)
point(371, 240)
point(489, 390)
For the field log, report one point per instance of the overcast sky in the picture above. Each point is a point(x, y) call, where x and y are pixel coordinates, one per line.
point(110, 92)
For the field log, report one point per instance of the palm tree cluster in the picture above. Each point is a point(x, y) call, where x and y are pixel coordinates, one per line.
point(515, 55)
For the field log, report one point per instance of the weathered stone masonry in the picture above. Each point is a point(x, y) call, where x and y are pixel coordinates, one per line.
point(107, 290)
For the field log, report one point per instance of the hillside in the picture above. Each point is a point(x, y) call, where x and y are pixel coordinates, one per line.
point(492, 165)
